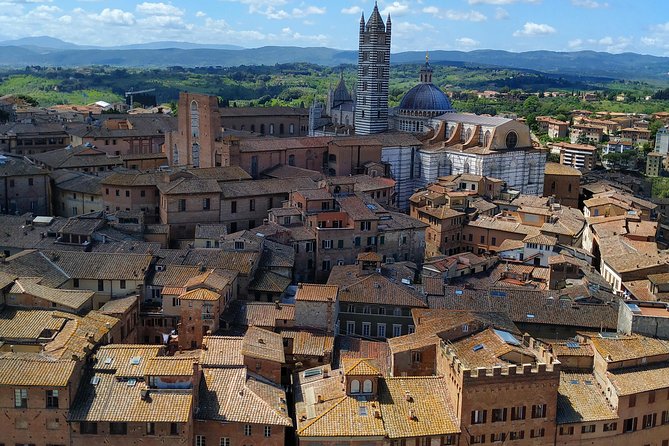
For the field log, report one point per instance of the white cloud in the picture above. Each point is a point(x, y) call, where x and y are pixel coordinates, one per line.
point(298, 13)
point(471, 16)
point(159, 9)
point(606, 43)
point(450, 14)
point(534, 29)
point(500, 2)
point(355, 9)
point(114, 17)
point(467, 42)
point(501, 14)
point(200, 14)
point(396, 8)
point(590, 4)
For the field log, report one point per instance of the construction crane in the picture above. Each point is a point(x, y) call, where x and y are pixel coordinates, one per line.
point(132, 93)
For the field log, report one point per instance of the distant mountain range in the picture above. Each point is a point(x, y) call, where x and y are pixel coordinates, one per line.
point(55, 52)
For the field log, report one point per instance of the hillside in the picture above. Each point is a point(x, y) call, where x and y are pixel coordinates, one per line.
point(46, 51)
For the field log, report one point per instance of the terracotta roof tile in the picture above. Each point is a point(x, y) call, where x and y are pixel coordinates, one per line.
point(581, 399)
point(234, 395)
point(263, 344)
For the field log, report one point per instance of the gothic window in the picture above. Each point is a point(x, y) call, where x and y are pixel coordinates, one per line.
point(194, 120)
point(486, 139)
point(468, 134)
point(364, 85)
point(365, 71)
point(196, 155)
point(379, 71)
point(355, 386)
point(465, 168)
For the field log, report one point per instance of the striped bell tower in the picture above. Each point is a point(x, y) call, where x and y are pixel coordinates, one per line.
point(371, 108)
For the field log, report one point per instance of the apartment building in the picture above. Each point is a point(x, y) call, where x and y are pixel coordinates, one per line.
point(580, 156)
point(23, 187)
point(124, 135)
point(370, 304)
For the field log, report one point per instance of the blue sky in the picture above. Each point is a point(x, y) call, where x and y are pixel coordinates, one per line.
point(517, 25)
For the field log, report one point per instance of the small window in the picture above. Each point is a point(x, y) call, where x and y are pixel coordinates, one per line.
point(52, 399)
point(225, 441)
point(88, 428)
point(21, 398)
point(268, 431)
point(200, 440)
point(355, 386)
point(122, 284)
point(150, 428)
point(118, 428)
point(247, 430)
point(588, 429)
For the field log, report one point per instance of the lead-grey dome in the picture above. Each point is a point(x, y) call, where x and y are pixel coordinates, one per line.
point(426, 97)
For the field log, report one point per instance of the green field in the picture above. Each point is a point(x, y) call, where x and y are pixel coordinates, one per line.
point(300, 83)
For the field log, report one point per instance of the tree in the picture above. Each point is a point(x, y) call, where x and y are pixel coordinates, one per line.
point(552, 157)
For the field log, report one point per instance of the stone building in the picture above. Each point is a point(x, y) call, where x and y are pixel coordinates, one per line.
point(371, 110)
point(23, 187)
point(421, 104)
point(562, 182)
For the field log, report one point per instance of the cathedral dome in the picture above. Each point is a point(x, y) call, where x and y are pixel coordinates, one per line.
point(426, 97)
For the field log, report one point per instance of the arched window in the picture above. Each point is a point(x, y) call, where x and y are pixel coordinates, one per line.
point(281, 129)
point(253, 127)
point(291, 129)
point(511, 140)
point(271, 129)
point(486, 139)
point(194, 120)
point(262, 129)
point(332, 157)
point(468, 134)
point(465, 168)
point(553, 186)
point(291, 160)
point(367, 386)
point(355, 386)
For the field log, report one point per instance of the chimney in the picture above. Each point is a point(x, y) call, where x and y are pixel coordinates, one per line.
point(145, 394)
point(320, 398)
point(407, 396)
point(412, 415)
point(277, 304)
point(261, 341)
point(377, 414)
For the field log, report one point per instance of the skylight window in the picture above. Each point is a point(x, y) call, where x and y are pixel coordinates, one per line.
point(135, 360)
point(530, 316)
point(478, 347)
